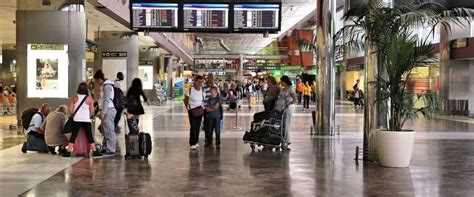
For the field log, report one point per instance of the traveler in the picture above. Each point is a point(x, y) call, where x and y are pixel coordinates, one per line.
point(107, 112)
point(299, 90)
point(270, 96)
point(35, 136)
point(194, 102)
point(81, 107)
point(214, 117)
point(358, 94)
point(307, 95)
point(286, 98)
point(119, 83)
point(53, 128)
point(134, 102)
point(207, 92)
point(232, 100)
point(250, 90)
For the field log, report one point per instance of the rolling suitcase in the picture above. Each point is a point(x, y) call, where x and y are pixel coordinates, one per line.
point(137, 144)
point(81, 144)
point(144, 141)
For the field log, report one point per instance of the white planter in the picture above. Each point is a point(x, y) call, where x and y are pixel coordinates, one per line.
point(395, 148)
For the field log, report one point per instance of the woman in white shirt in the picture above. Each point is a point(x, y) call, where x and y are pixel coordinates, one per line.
point(194, 103)
point(81, 107)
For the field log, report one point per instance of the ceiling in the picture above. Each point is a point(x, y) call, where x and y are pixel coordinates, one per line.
point(293, 11)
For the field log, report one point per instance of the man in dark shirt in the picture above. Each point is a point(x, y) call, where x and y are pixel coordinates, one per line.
point(214, 116)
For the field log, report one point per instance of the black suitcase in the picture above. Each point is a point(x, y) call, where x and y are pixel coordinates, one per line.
point(137, 144)
point(144, 141)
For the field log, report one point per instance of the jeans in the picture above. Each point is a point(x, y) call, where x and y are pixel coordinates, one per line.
point(306, 102)
point(299, 97)
point(213, 124)
point(195, 124)
point(35, 142)
point(108, 129)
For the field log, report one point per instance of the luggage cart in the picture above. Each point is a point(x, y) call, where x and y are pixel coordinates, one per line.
point(276, 124)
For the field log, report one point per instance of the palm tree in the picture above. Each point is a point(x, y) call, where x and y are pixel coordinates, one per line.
point(399, 49)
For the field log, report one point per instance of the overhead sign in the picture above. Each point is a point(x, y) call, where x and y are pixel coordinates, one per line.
point(154, 16)
point(145, 62)
point(290, 68)
point(114, 54)
point(261, 67)
point(355, 67)
point(205, 16)
point(256, 17)
point(217, 72)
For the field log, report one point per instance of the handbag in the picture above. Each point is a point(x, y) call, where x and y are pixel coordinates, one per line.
point(198, 111)
point(70, 121)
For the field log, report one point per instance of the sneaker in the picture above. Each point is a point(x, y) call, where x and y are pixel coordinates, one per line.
point(23, 148)
point(96, 154)
point(52, 150)
point(197, 145)
point(193, 147)
point(67, 154)
point(108, 154)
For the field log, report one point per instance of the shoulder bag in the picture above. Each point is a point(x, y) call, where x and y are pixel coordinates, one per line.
point(197, 111)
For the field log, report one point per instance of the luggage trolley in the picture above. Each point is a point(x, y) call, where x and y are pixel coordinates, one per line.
point(269, 132)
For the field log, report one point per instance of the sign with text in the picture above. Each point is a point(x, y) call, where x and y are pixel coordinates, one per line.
point(114, 54)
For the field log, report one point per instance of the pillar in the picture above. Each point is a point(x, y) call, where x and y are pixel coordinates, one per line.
point(118, 52)
point(325, 114)
point(471, 90)
point(44, 34)
point(9, 62)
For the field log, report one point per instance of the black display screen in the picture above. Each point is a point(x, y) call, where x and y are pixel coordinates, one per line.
point(205, 16)
point(256, 17)
point(154, 16)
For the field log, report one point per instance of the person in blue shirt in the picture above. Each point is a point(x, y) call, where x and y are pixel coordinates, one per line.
point(214, 116)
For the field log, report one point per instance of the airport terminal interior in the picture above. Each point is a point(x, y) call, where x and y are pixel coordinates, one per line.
point(236, 98)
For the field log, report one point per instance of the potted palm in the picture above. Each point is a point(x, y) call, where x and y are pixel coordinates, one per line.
point(391, 32)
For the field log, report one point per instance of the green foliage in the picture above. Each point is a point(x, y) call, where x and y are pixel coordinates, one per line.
point(399, 50)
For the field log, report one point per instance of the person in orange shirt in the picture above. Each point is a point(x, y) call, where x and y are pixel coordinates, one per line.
point(299, 90)
point(306, 94)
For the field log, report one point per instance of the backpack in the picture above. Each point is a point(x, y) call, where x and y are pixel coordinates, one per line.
point(27, 115)
point(120, 101)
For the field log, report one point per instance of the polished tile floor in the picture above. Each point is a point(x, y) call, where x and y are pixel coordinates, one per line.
point(442, 164)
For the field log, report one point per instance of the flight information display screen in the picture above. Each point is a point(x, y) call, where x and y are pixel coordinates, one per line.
point(154, 15)
point(256, 17)
point(206, 16)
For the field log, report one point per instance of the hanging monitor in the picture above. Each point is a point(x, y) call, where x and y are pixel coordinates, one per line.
point(154, 16)
point(257, 17)
point(210, 17)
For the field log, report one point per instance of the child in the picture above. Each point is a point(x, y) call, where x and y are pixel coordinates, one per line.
point(214, 115)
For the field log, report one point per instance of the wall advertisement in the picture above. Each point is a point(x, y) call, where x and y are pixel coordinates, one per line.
point(47, 71)
point(145, 73)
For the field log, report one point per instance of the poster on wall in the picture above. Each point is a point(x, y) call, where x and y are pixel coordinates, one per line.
point(47, 71)
point(145, 73)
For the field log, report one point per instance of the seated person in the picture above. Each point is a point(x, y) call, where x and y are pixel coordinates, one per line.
point(53, 128)
point(232, 100)
point(35, 136)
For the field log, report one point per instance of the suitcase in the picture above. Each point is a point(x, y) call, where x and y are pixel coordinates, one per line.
point(137, 144)
point(81, 144)
point(144, 141)
point(131, 146)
